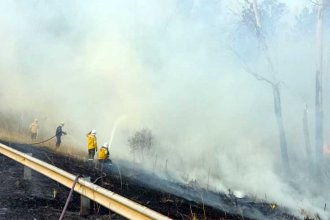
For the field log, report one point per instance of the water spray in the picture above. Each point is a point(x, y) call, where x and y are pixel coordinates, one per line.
point(110, 143)
point(115, 127)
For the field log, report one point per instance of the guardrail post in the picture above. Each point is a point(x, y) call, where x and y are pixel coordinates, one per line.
point(85, 202)
point(27, 171)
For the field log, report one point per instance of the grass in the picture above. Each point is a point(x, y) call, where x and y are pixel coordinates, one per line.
point(64, 149)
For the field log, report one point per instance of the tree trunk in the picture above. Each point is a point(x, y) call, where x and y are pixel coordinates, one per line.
point(275, 87)
point(306, 135)
point(318, 88)
point(308, 145)
point(279, 119)
point(256, 15)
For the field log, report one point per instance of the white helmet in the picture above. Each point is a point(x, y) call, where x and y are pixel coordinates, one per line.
point(106, 145)
point(93, 132)
point(62, 123)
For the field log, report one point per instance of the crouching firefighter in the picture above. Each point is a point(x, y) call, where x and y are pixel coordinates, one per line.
point(91, 145)
point(103, 156)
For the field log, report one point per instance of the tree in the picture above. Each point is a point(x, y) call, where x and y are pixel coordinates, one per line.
point(306, 133)
point(313, 20)
point(141, 141)
point(318, 85)
point(252, 16)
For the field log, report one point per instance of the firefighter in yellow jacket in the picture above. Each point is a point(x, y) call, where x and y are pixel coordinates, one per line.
point(34, 127)
point(91, 144)
point(103, 155)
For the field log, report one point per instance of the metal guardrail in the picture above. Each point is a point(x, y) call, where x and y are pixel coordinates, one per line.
point(106, 198)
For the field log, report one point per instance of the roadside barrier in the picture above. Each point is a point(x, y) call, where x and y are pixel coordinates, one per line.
point(104, 197)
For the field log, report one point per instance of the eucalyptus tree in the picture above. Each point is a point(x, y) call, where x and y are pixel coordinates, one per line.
point(261, 20)
point(312, 22)
point(319, 115)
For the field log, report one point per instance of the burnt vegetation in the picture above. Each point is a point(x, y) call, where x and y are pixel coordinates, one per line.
point(42, 198)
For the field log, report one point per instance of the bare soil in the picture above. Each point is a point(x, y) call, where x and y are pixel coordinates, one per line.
point(34, 199)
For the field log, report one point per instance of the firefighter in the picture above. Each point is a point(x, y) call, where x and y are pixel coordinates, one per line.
point(59, 132)
point(91, 144)
point(34, 127)
point(103, 155)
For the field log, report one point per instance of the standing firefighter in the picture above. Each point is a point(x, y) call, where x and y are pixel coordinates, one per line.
point(103, 155)
point(91, 144)
point(34, 127)
point(59, 134)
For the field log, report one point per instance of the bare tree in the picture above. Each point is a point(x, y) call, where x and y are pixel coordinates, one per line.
point(274, 83)
point(141, 141)
point(306, 134)
point(318, 84)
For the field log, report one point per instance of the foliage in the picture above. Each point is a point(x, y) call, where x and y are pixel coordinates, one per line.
point(244, 39)
point(141, 141)
point(306, 21)
point(271, 12)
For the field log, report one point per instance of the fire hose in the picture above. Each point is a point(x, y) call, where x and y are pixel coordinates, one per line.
point(43, 141)
point(102, 176)
point(69, 197)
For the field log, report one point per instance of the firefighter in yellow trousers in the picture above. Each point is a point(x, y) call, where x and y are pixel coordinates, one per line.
point(103, 155)
point(91, 144)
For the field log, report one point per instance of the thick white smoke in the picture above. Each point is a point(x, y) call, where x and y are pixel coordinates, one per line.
point(167, 66)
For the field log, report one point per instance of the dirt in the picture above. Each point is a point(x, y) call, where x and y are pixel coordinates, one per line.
point(34, 199)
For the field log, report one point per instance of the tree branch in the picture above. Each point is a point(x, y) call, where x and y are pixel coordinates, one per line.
point(251, 72)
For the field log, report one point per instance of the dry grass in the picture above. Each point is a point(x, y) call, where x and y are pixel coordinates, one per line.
point(65, 149)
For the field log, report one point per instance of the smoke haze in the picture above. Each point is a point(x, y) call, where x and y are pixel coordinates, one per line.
point(169, 66)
